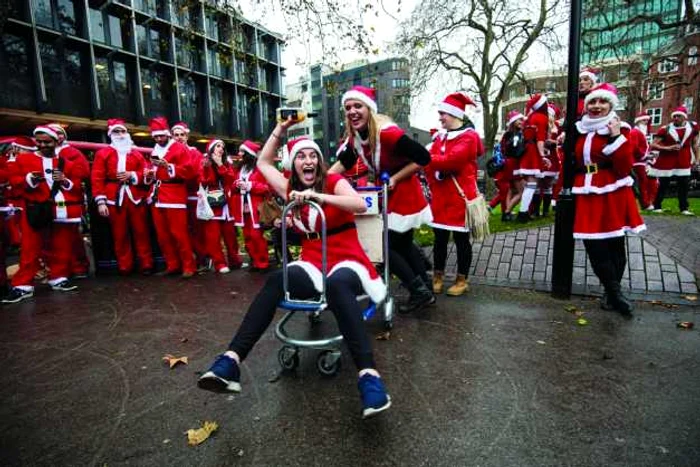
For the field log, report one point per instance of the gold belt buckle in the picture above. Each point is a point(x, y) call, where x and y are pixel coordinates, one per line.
point(592, 169)
point(313, 235)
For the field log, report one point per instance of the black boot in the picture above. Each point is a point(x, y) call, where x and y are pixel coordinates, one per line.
point(605, 302)
point(535, 206)
point(420, 296)
point(523, 217)
point(618, 300)
point(546, 202)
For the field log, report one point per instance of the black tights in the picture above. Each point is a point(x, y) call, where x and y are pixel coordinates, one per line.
point(464, 250)
point(405, 260)
point(681, 186)
point(608, 259)
point(343, 287)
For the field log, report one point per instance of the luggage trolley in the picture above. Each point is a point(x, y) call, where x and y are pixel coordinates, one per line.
point(328, 361)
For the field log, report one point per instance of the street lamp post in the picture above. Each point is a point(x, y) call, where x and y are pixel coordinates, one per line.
point(563, 257)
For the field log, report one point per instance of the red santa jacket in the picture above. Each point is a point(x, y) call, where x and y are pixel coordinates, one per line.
point(670, 163)
point(81, 171)
point(105, 186)
point(196, 159)
point(602, 165)
point(640, 146)
point(453, 155)
point(214, 178)
point(4, 184)
point(170, 189)
point(67, 202)
point(246, 200)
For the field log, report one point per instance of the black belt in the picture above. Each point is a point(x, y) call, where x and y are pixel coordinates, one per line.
point(114, 180)
point(593, 168)
point(329, 232)
point(174, 182)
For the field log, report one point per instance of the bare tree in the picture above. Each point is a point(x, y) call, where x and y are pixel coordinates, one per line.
point(480, 44)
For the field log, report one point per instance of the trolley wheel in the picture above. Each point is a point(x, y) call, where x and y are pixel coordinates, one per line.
point(288, 357)
point(328, 362)
point(315, 318)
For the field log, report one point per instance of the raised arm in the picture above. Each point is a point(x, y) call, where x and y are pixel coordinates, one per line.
point(266, 164)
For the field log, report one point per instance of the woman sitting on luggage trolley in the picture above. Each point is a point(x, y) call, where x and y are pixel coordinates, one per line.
point(350, 272)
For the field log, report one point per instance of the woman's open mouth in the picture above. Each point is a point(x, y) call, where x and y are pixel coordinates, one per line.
point(309, 174)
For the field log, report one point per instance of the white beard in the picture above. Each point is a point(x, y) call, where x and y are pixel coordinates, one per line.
point(643, 128)
point(123, 144)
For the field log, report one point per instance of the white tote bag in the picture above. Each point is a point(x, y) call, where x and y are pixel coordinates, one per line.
point(204, 211)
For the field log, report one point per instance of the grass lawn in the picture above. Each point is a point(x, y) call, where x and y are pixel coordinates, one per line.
point(670, 206)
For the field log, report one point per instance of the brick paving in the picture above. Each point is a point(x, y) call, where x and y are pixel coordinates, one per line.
point(663, 263)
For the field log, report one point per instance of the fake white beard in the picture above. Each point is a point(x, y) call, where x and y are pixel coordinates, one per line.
point(643, 127)
point(122, 143)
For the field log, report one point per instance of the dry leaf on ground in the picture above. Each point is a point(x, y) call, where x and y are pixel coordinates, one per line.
point(384, 336)
point(173, 360)
point(691, 298)
point(198, 436)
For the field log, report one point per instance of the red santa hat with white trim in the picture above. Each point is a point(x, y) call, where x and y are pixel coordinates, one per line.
point(455, 104)
point(25, 143)
point(680, 110)
point(181, 126)
point(367, 96)
point(45, 130)
point(642, 116)
point(536, 102)
point(250, 147)
point(514, 116)
point(114, 124)
point(58, 128)
point(605, 91)
point(590, 72)
point(212, 143)
point(297, 144)
point(159, 126)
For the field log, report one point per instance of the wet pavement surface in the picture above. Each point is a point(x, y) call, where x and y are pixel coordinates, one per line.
point(501, 377)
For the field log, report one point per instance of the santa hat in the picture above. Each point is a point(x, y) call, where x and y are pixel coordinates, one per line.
point(590, 72)
point(181, 126)
point(455, 104)
point(682, 111)
point(115, 123)
point(514, 116)
point(605, 91)
point(535, 103)
point(211, 143)
point(159, 126)
point(296, 145)
point(58, 128)
point(642, 116)
point(250, 147)
point(367, 96)
point(554, 110)
point(24, 142)
point(46, 130)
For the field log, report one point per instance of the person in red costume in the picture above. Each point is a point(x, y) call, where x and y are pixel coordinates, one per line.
point(350, 273)
point(181, 134)
point(80, 263)
point(512, 148)
point(549, 176)
point(535, 159)
point(640, 151)
point(169, 173)
point(14, 194)
point(117, 174)
point(587, 79)
point(677, 144)
point(451, 174)
point(374, 144)
point(215, 179)
point(606, 209)
point(45, 179)
point(248, 190)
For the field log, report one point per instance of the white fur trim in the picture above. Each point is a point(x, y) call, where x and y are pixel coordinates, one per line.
point(617, 144)
point(549, 173)
point(28, 179)
point(450, 109)
point(110, 129)
point(69, 220)
point(589, 74)
point(654, 172)
point(171, 205)
point(160, 133)
point(599, 190)
point(245, 148)
point(304, 144)
point(642, 118)
point(452, 228)
point(400, 223)
point(67, 185)
point(601, 94)
point(46, 130)
point(540, 102)
point(358, 96)
point(375, 288)
point(171, 170)
point(515, 119)
point(678, 112)
point(533, 172)
point(180, 127)
point(612, 234)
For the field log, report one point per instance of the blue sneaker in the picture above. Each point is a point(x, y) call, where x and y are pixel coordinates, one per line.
point(373, 394)
point(224, 375)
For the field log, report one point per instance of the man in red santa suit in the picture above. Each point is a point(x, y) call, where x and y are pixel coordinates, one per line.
point(81, 167)
point(117, 172)
point(169, 174)
point(640, 151)
point(677, 145)
point(45, 177)
point(587, 79)
point(181, 133)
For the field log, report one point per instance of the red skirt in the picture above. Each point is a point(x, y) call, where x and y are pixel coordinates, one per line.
point(530, 163)
point(608, 215)
point(408, 208)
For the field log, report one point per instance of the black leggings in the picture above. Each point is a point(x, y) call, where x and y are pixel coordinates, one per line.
point(343, 287)
point(608, 259)
point(464, 250)
point(681, 186)
point(405, 260)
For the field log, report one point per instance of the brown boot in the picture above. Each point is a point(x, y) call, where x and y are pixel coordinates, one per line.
point(460, 286)
point(438, 284)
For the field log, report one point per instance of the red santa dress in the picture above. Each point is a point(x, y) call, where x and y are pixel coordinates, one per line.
point(536, 129)
point(675, 163)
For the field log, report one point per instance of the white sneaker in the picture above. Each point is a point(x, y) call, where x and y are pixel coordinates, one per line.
point(224, 270)
point(658, 211)
point(687, 213)
point(649, 208)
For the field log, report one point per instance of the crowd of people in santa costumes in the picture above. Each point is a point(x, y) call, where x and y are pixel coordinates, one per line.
point(647, 186)
point(510, 186)
point(677, 144)
point(451, 176)
point(374, 144)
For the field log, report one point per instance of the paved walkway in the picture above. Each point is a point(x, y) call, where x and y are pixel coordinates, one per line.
point(663, 263)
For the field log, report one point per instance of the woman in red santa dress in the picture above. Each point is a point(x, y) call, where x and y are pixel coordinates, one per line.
point(451, 175)
point(380, 146)
point(535, 160)
point(640, 151)
point(606, 208)
point(549, 175)
point(676, 142)
point(44, 177)
point(214, 173)
point(350, 273)
point(117, 173)
point(512, 148)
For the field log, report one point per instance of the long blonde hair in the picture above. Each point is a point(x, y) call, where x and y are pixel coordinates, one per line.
point(374, 123)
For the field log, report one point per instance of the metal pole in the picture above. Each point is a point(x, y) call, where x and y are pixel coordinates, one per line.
point(563, 265)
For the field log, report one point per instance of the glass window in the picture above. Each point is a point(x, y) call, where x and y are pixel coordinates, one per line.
point(622, 102)
point(688, 104)
point(102, 72)
point(656, 116)
point(668, 66)
point(693, 55)
point(655, 91)
point(162, 9)
point(43, 13)
point(190, 101)
point(212, 28)
point(214, 65)
point(67, 20)
point(97, 28)
point(155, 45)
point(64, 78)
point(115, 31)
point(142, 39)
point(16, 83)
point(182, 13)
point(156, 92)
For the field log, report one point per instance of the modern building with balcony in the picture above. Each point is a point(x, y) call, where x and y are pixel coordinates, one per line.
point(82, 62)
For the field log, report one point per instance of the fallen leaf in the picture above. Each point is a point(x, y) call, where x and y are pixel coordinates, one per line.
point(172, 360)
point(663, 450)
point(571, 308)
point(240, 453)
point(582, 321)
point(384, 336)
point(166, 441)
point(691, 298)
point(198, 436)
point(184, 339)
point(541, 342)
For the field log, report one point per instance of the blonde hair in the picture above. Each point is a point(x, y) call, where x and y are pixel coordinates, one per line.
point(374, 123)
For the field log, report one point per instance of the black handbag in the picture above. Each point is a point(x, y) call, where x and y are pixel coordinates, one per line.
point(41, 214)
